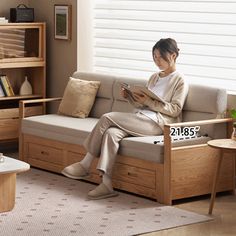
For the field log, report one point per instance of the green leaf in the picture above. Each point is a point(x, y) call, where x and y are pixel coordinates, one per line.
point(233, 113)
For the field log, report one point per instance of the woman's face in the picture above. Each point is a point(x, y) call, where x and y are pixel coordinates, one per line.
point(161, 63)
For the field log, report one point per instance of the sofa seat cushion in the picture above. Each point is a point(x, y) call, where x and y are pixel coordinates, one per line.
point(58, 127)
point(145, 149)
point(75, 130)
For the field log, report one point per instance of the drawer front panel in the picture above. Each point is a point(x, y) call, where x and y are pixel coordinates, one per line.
point(45, 153)
point(9, 129)
point(73, 157)
point(9, 113)
point(9, 121)
point(134, 175)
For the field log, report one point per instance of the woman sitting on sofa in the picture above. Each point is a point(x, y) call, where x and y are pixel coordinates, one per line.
point(147, 120)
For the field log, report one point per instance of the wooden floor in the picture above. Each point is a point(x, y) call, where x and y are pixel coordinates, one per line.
point(223, 223)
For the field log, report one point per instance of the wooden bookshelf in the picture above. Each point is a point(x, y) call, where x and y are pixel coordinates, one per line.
point(20, 97)
point(22, 53)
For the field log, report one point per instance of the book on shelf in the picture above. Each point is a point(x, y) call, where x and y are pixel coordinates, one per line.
point(6, 86)
point(10, 87)
point(2, 94)
point(140, 89)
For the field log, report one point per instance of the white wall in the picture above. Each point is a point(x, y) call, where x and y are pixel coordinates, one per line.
point(84, 37)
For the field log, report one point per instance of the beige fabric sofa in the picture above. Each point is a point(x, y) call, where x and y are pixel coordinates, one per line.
point(165, 171)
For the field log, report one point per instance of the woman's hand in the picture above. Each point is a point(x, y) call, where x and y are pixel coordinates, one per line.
point(140, 97)
point(123, 92)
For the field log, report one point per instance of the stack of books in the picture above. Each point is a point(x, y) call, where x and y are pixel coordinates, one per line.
point(3, 20)
point(5, 87)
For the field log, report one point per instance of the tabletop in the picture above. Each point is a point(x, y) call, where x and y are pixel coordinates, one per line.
point(11, 165)
point(227, 144)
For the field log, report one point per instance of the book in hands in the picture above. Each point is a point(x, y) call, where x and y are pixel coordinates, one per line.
point(140, 89)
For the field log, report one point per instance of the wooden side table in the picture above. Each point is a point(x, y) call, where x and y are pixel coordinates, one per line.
point(225, 145)
point(8, 170)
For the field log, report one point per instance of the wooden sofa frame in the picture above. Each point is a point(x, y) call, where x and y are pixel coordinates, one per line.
point(187, 171)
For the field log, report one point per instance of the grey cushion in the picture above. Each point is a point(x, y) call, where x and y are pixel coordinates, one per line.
point(104, 98)
point(205, 99)
point(204, 129)
point(100, 107)
point(203, 103)
point(59, 127)
point(105, 89)
point(213, 130)
point(122, 106)
point(145, 149)
point(75, 130)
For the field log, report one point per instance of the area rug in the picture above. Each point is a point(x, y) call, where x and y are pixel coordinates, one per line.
point(51, 204)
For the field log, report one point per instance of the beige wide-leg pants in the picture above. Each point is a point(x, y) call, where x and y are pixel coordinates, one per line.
point(104, 139)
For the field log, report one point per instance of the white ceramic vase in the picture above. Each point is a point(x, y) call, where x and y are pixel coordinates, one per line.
point(26, 88)
point(233, 136)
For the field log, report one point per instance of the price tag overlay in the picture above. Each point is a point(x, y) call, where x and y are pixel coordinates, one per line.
point(184, 132)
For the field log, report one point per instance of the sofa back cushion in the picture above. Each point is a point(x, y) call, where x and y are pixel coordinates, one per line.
point(120, 104)
point(104, 98)
point(203, 103)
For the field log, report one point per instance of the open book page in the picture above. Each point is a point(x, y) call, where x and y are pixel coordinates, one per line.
point(130, 96)
point(140, 89)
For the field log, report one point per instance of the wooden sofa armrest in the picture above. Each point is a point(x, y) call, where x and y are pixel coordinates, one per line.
point(168, 150)
point(167, 127)
point(200, 122)
point(23, 103)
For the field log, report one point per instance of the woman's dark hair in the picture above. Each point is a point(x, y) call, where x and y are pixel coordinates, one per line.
point(165, 46)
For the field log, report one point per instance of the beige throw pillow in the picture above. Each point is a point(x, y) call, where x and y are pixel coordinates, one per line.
point(78, 98)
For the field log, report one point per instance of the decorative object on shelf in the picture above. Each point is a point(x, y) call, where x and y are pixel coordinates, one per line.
point(22, 13)
point(233, 115)
point(26, 88)
point(233, 136)
point(62, 22)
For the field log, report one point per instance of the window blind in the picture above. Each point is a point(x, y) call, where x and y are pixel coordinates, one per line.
point(126, 30)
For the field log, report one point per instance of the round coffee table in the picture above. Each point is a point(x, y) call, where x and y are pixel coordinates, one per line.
point(8, 170)
point(225, 145)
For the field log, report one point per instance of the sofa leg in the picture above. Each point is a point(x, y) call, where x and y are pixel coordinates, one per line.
point(21, 148)
point(167, 202)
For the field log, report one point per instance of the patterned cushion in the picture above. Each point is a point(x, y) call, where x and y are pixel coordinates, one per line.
point(78, 98)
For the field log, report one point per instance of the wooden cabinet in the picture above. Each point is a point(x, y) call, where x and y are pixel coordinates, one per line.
point(22, 53)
